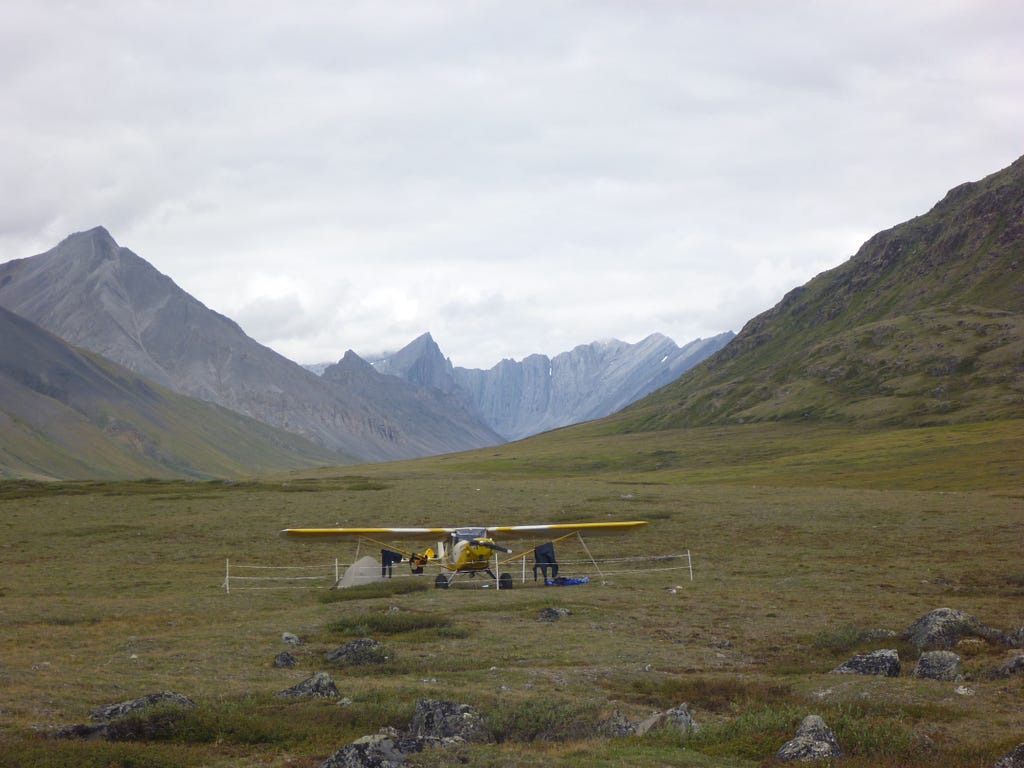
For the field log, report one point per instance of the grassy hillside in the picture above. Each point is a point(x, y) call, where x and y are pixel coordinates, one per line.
point(804, 539)
point(924, 325)
point(70, 414)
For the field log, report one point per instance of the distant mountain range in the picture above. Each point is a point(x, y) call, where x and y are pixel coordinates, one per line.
point(519, 399)
point(924, 325)
point(104, 298)
point(97, 296)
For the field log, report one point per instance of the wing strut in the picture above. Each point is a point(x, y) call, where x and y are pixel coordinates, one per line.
point(592, 560)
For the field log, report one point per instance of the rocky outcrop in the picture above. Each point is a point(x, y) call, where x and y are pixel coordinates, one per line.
point(1015, 666)
point(939, 665)
point(356, 652)
point(885, 663)
point(151, 716)
point(677, 718)
point(813, 741)
point(319, 686)
point(943, 628)
point(434, 724)
point(1013, 759)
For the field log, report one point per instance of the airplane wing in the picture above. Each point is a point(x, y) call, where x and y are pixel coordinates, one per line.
point(546, 529)
point(329, 534)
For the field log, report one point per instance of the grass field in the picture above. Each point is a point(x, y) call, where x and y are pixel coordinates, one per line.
point(802, 539)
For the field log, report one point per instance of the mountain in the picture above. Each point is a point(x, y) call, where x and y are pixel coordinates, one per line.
point(923, 325)
point(519, 399)
point(96, 295)
point(69, 414)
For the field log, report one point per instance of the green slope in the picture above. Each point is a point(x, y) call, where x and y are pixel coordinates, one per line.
point(69, 414)
point(924, 325)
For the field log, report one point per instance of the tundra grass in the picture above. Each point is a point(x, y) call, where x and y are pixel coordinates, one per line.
point(109, 591)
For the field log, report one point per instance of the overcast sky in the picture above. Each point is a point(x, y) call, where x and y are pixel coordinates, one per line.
point(514, 177)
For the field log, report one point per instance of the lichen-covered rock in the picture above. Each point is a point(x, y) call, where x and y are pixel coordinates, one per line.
point(161, 698)
point(1015, 666)
point(939, 665)
point(386, 749)
point(285, 660)
point(553, 614)
point(885, 663)
point(813, 741)
point(616, 725)
point(677, 717)
point(1014, 759)
point(943, 628)
point(356, 652)
point(289, 639)
point(319, 686)
point(448, 722)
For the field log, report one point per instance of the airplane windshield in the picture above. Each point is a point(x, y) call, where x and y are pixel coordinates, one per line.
point(466, 534)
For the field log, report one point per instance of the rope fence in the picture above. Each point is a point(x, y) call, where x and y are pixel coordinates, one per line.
point(267, 577)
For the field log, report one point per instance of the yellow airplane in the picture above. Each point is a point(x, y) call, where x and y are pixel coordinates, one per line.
point(460, 550)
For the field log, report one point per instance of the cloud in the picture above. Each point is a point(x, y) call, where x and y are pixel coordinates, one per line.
point(513, 177)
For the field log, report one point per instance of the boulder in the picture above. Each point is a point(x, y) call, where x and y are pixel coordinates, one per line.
point(813, 741)
point(112, 721)
point(1015, 666)
point(386, 749)
point(289, 639)
point(678, 718)
point(285, 660)
point(434, 723)
point(616, 725)
point(356, 652)
point(553, 614)
point(1014, 759)
point(885, 663)
point(448, 722)
point(133, 706)
point(319, 686)
point(943, 628)
point(939, 665)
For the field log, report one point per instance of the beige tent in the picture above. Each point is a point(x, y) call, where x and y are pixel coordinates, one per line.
point(363, 571)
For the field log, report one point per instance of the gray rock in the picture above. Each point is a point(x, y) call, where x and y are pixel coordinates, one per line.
point(161, 698)
point(616, 725)
point(448, 722)
point(289, 639)
point(1015, 666)
point(939, 665)
point(943, 628)
point(677, 717)
point(813, 741)
point(885, 663)
point(386, 749)
point(285, 660)
point(356, 652)
point(319, 686)
point(1014, 759)
point(553, 614)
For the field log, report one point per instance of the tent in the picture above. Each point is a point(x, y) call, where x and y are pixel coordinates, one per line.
point(365, 570)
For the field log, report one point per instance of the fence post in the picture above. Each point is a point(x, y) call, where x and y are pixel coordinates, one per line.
point(227, 575)
point(689, 563)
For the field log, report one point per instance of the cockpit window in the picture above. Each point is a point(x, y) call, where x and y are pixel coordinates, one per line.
point(466, 534)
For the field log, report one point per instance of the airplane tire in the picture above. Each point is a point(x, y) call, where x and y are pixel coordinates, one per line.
point(505, 581)
point(441, 582)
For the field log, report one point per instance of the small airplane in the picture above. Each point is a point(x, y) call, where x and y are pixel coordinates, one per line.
point(460, 550)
